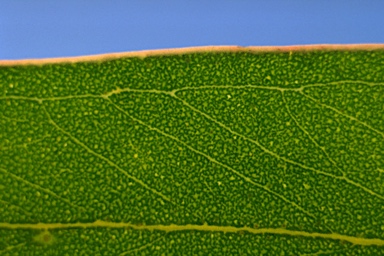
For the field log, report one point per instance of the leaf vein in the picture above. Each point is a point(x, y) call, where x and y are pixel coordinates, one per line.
point(356, 240)
point(344, 177)
point(38, 187)
point(81, 144)
point(343, 114)
point(213, 160)
point(287, 160)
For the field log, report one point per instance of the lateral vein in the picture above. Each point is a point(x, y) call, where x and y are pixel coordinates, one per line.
point(213, 160)
point(344, 177)
point(37, 187)
point(266, 150)
point(343, 114)
point(81, 144)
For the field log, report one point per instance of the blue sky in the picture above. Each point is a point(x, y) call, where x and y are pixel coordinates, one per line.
point(48, 28)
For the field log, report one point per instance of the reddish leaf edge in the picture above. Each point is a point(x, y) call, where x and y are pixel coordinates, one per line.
point(195, 49)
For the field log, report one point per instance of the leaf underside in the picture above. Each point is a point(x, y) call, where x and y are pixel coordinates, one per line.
point(221, 153)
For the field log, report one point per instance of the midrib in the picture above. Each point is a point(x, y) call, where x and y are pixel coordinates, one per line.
point(190, 227)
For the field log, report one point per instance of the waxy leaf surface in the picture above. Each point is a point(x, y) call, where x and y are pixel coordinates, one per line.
point(206, 153)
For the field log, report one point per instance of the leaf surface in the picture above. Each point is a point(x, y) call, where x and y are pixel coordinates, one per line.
point(201, 153)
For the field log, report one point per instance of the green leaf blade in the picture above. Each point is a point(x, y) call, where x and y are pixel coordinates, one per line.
point(195, 153)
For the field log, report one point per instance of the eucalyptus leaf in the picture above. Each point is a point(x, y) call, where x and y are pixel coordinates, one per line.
point(217, 151)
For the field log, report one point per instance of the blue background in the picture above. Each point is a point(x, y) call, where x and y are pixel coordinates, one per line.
point(48, 28)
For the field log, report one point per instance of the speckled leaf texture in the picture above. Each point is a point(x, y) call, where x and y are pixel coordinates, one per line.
point(196, 153)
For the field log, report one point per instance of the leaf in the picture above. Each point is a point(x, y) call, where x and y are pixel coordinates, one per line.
point(227, 151)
